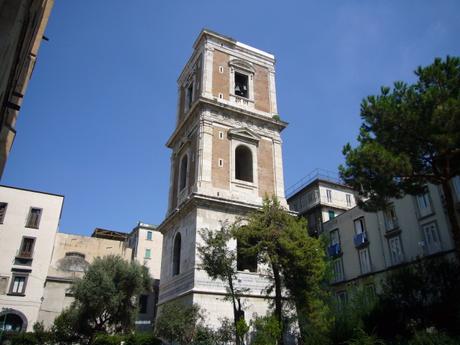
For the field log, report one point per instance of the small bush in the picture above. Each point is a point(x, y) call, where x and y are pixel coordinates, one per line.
point(425, 338)
point(276, 117)
point(142, 339)
point(25, 339)
point(105, 339)
point(267, 331)
point(362, 338)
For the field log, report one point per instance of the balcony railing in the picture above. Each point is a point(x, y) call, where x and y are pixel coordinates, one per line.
point(334, 250)
point(360, 240)
point(23, 255)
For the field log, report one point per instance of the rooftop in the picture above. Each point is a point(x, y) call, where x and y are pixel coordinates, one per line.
point(313, 176)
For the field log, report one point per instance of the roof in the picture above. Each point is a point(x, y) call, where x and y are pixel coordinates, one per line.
point(315, 176)
point(110, 234)
point(31, 190)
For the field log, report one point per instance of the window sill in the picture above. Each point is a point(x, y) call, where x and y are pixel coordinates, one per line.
point(392, 232)
point(426, 216)
point(244, 184)
point(24, 257)
point(32, 227)
point(16, 294)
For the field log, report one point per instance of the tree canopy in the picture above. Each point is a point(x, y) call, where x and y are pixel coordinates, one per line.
point(105, 299)
point(410, 136)
point(296, 261)
point(220, 262)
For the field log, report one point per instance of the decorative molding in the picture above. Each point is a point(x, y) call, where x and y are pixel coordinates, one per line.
point(244, 134)
point(242, 65)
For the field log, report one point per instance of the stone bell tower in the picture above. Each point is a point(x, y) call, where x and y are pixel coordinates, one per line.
point(226, 156)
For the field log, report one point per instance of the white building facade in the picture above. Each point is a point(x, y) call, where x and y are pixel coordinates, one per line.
point(365, 245)
point(320, 197)
point(29, 221)
point(226, 156)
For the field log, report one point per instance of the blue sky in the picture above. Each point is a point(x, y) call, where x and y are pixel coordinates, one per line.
point(102, 100)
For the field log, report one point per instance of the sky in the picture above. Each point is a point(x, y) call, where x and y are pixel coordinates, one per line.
point(102, 100)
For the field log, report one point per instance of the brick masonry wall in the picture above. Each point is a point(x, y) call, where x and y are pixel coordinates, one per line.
point(220, 149)
point(266, 176)
point(261, 89)
point(220, 81)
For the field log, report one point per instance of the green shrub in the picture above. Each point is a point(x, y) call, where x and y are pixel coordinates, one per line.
point(267, 331)
point(25, 339)
point(142, 339)
point(424, 338)
point(362, 338)
point(105, 339)
point(276, 117)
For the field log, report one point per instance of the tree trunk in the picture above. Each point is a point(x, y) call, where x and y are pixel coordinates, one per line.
point(278, 301)
point(236, 315)
point(452, 215)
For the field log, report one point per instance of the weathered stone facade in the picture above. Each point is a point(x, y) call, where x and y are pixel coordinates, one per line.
point(226, 156)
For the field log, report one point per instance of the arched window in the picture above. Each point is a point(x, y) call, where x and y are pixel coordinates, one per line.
point(176, 255)
point(13, 321)
point(183, 173)
point(243, 163)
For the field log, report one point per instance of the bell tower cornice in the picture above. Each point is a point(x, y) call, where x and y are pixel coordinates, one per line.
point(204, 103)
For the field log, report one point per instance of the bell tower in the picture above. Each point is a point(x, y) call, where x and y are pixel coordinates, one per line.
point(226, 156)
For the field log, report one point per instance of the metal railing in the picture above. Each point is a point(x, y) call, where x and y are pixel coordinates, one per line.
point(314, 175)
point(333, 250)
point(360, 239)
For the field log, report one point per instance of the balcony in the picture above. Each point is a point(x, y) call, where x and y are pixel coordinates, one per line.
point(334, 250)
point(360, 240)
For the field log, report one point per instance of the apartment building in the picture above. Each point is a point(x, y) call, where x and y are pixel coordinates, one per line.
point(72, 254)
point(365, 245)
point(22, 27)
point(147, 243)
point(319, 197)
point(29, 221)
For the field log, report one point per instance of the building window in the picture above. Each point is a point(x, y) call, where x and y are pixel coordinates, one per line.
point(424, 204)
point(335, 238)
point(364, 260)
point(456, 184)
point(143, 301)
point(3, 206)
point(189, 96)
point(33, 220)
point(244, 260)
point(18, 284)
point(221, 163)
point(391, 221)
point(27, 247)
point(359, 226)
point(176, 254)
point(396, 252)
point(149, 235)
point(221, 69)
point(331, 214)
point(348, 198)
point(183, 173)
point(432, 240)
point(328, 195)
point(221, 135)
point(241, 85)
point(337, 266)
point(243, 163)
point(148, 253)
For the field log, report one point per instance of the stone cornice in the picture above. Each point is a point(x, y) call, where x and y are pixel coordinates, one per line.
point(195, 200)
point(202, 101)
